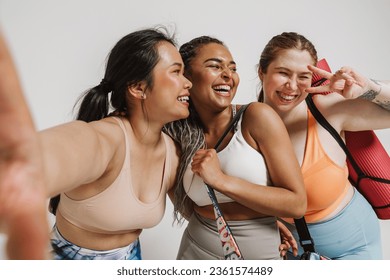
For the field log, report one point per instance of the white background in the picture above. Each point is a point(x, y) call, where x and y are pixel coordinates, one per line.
point(60, 49)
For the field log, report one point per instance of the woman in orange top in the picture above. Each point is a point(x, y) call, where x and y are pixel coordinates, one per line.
point(341, 222)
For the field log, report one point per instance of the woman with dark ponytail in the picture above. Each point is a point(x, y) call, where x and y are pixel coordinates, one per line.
point(111, 168)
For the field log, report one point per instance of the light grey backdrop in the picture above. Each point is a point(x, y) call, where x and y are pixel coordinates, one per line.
point(60, 49)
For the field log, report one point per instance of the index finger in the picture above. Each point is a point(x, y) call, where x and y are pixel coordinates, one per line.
point(319, 71)
point(318, 89)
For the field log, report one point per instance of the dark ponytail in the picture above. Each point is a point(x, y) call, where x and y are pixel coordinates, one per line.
point(95, 103)
point(131, 61)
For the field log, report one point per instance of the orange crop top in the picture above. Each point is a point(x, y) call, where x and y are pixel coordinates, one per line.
point(326, 182)
point(117, 209)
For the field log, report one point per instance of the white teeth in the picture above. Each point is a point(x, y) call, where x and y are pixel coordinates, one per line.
point(183, 98)
point(222, 87)
point(287, 97)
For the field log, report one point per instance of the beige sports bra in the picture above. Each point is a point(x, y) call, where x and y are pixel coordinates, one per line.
point(117, 209)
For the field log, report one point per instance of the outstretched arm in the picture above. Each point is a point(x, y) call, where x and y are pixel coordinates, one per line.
point(23, 214)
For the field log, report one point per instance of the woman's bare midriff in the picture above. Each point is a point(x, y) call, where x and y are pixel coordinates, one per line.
point(94, 240)
point(232, 211)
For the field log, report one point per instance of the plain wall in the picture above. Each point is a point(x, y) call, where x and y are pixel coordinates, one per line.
point(60, 49)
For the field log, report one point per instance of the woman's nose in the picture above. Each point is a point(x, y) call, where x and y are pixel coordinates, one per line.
point(292, 84)
point(227, 73)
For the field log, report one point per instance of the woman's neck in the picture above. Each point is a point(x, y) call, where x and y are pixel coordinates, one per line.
point(145, 133)
point(215, 124)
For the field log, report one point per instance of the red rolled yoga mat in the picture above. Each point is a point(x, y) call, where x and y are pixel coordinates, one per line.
point(372, 158)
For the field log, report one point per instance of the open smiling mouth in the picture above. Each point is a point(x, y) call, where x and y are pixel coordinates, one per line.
point(183, 99)
point(222, 89)
point(287, 97)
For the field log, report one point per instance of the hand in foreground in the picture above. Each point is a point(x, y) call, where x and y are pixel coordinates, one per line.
point(205, 164)
point(287, 241)
point(23, 214)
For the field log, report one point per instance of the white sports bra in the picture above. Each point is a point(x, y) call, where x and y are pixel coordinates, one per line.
point(237, 159)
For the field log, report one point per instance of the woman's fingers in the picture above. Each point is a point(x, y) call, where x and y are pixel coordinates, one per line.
point(321, 72)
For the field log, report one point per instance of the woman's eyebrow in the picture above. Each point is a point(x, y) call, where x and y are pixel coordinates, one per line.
point(288, 70)
point(214, 59)
point(177, 64)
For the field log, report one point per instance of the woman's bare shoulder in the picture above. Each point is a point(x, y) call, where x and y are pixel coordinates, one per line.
point(258, 113)
point(109, 129)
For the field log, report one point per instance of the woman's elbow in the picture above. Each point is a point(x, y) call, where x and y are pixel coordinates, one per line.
point(300, 206)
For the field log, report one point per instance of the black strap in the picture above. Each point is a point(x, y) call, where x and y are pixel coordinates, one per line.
point(305, 238)
point(210, 190)
point(319, 82)
point(232, 123)
point(322, 121)
point(360, 174)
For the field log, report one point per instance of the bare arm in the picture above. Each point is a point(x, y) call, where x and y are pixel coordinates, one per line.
point(379, 93)
point(262, 127)
point(356, 106)
point(36, 165)
point(352, 114)
point(78, 153)
point(350, 84)
point(22, 191)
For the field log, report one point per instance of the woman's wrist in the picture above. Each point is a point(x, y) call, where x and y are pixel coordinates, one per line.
point(376, 86)
point(377, 93)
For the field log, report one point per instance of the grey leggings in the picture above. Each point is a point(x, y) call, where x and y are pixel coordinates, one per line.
point(256, 238)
